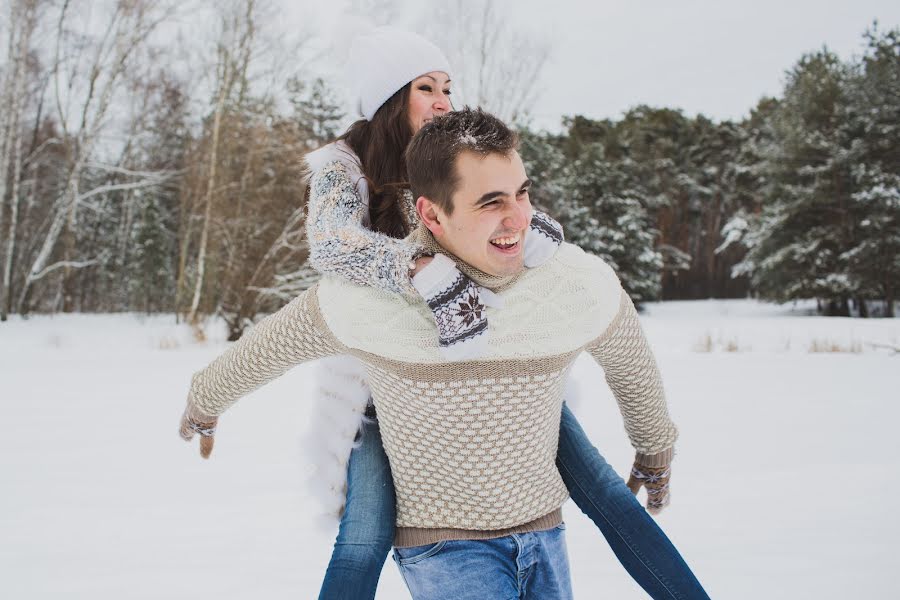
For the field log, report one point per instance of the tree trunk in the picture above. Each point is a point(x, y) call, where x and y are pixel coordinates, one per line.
point(7, 102)
point(207, 212)
point(14, 205)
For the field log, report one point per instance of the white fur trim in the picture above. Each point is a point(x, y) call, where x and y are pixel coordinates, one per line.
point(340, 404)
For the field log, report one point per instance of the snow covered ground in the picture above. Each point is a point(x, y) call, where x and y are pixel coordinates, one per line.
point(785, 485)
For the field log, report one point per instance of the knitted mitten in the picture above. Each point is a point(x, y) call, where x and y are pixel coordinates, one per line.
point(457, 305)
point(655, 480)
point(542, 240)
point(194, 421)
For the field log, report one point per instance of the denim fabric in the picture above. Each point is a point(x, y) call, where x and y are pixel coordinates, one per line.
point(522, 566)
point(367, 526)
point(639, 543)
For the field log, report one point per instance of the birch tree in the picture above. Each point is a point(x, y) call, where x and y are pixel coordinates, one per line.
point(234, 49)
point(23, 21)
point(87, 74)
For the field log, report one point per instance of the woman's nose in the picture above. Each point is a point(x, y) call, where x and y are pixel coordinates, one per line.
point(442, 103)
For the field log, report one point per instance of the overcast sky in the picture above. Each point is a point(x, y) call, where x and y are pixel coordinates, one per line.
point(715, 57)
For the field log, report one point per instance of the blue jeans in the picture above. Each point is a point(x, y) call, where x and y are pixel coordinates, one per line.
point(367, 526)
point(366, 530)
point(526, 566)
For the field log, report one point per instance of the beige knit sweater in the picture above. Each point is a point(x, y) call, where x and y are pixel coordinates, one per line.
point(472, 445)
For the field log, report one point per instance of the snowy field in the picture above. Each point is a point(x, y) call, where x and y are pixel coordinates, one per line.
point(785, 485)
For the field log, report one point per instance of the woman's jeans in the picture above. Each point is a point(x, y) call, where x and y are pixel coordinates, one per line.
point(521, 566)
point(367, 527)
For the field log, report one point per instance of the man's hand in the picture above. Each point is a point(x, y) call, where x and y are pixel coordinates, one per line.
point(655, 480)
point(193, 421)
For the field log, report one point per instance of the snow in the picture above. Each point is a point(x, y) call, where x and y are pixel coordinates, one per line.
point(784, 486)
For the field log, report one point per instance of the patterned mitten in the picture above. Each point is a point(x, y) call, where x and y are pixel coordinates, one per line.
point(194, 421)
point(457, 305)
point(542, 240)
point(655, 480)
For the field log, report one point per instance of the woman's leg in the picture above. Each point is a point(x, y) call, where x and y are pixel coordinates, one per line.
point(367, 527)
point(639, 543)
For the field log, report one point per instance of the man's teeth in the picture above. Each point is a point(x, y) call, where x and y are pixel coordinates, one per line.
point(507, 241)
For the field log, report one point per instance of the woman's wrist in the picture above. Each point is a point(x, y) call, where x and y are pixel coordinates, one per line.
point(417, 264)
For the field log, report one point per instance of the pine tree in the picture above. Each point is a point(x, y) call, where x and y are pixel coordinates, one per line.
point(806, 225)
point(317, 111)
point(874, 92)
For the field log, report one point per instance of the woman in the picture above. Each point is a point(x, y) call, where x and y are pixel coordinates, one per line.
point(404, 82)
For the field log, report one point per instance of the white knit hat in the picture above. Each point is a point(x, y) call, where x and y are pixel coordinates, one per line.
point(384, 60)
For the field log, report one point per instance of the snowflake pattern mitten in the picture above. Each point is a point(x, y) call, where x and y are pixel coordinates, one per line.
point(458, 306)
point(655, 480)
point(542, 240)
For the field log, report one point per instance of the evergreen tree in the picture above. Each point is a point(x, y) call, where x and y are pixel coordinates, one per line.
point(874, 92)
point(599, 207)
point(317, 111)
point(806, 225)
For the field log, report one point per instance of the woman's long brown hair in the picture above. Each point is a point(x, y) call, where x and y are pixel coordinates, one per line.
point(379, 144)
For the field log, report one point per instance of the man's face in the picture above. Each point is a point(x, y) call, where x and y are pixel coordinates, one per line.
point(491, 213)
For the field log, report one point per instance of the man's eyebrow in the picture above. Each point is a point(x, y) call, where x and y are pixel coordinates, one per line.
point(491, 195)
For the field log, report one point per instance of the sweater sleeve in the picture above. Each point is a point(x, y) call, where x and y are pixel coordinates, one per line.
point(297, 333)
point(631, 372)
point(341, 244)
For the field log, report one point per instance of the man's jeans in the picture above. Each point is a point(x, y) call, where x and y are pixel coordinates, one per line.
point(522, 566)
point(367, 527)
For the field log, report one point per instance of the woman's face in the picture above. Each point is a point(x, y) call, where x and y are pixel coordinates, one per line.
point(429, 96)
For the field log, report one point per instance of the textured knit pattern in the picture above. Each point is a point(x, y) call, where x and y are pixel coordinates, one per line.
point(293, 335)
point(458, 311)
point(473, 448)
point(544, 237)
point(472, 444)
point(455, 302)
point(633, 376)
point(340, 243)
point(546, 311)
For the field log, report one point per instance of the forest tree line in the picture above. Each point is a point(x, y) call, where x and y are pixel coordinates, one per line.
point(127, 185)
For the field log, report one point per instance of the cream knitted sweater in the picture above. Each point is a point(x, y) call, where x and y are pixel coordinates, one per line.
point(472, 445)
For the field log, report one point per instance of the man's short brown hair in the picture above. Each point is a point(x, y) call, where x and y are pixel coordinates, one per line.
point(431, 155)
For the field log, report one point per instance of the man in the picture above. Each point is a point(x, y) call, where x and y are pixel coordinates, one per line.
point(472, 445)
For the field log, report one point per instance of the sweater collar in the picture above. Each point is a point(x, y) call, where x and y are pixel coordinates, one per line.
point(425, 240)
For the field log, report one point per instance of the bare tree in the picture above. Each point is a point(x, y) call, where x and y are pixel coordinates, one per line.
point(87, 75)
point(23, 21)
point(495, 64)
point(234, 50)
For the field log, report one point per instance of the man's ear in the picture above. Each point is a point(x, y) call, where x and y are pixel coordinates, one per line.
point(430, 214)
